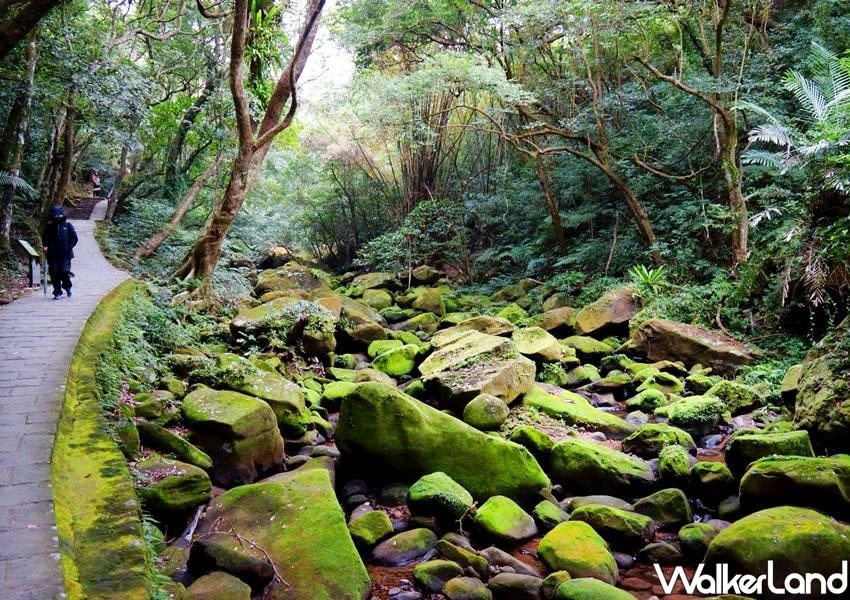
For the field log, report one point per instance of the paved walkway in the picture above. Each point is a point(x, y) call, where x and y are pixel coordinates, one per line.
point(37, 338)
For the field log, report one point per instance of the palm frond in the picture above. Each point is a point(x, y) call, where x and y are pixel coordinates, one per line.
point(807, 93)
point(829, 72)
point(755, 108)
point(771, 133)
point(763, 158)
point(17, 183)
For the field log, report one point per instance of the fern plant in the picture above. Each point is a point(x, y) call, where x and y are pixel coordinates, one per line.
point(17, 183)
point(824, 102)
point(648, 281)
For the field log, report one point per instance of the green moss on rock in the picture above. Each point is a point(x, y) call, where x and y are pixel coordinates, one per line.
point(385, 426)
point(440, 495)
point(649, 440)
point(575, 410)
point(371, 528)
point(486, 412)
point(586, 588)
point(433, 574)
point(622, 529)
point(668, 507)
point(744, 448)
point(587, 467)
point(575, 547)
point(502, 519)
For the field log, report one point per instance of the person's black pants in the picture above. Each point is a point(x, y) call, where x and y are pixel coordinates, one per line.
point(60, 277)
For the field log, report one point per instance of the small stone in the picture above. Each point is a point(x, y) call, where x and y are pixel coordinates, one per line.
point(466, 588)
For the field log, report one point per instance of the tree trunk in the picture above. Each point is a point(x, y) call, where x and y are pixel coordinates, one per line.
point(727, 130)
point(112, 200)
point(551, 205)
point(14, 142)
point(44, 173)
point(254, 142)
point(152, 245)
point(175, 151)
point(15, 25)
point(67, 152)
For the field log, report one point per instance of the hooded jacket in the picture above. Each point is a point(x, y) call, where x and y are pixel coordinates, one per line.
point(60, 237)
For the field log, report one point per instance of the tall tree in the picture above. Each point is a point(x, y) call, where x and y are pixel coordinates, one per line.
point(254, 139)
point(18, 18)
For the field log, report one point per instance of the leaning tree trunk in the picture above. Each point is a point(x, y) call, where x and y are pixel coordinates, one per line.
point(67, 153)
point(552, 206)
point(147, 249)
point(14, 142)
point(112, 199)
point(727, 133)
point(254, 142)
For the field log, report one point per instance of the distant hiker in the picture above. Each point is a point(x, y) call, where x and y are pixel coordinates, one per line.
point(95, 183)
point(59, 239)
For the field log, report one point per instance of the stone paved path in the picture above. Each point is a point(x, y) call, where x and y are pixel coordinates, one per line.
point(37, 338)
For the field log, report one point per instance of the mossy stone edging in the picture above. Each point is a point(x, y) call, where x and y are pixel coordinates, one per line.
point(98, 516)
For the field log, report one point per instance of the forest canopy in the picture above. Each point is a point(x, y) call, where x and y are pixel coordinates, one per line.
point(703, 145)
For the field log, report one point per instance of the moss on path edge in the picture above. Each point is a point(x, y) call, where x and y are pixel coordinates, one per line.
point(98, 516)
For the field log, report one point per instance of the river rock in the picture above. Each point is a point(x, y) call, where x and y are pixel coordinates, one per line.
point(796, 540)
point(823, 397)
point(486, 412)
point(589, 467)
point(738, 397)
point(440, 495)
point(169, 487)
point(433, 574)
point(295, 519)
point(502, 519)
point(669, 508)
point(537, 344)
point(548, 514)
point(466, 588)
point(397, 361)
point(674, 466)
point(649, 440)
point(744, 448)
point(377, 281)
point(216, 586)
point(623, 530)
point(239, 433)
point(589, 589)
point(370, 528)
point(404, 547)
point(163, 440)
point(694, 538)
point(660, 339)
point(513, 586)
point(819, 483)
point(387, 428)
point(575, 547)
point(610, 314)
point(574, 410)
point(712, 481)
point(695, 414)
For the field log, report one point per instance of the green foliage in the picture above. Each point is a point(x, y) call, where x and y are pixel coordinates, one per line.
point(432, 234)
point(649, 281)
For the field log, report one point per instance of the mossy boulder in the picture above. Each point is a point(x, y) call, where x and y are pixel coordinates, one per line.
point(377, 281)
point(557, 321)
point(694, 538)
point(486, 412)
point(790, 384)
point(291, 276)
point(744, 448)
point(819, 483)
point(551, 583)
point(430, 300)
point(173, 385)
point(586, 588)
point(433, 574)
point(168, 487)
point(238, 432)
point(695, 414)
point(404, 547)
point(334, 392)
point(216, 586)
point(513, 313)
point(576, 502)
point(668, 507)
point(465, 556)
point(163, 440)
point(587, 467)
point(537, 442)
point(588, 348)
point(661, 339)
point(488, 325)
point(505, 378)
point(674, 465)
point(537, 344)
point(369, 529)
point(699, 383)
point(609, 315)
point(392, 430)
point(466, 588)
point(285, 397)
point(649, 440)
point(548, 514)
point(440, 495)
point(823, 397)
point(796, 540)
point(398, 361)
point(580, 375)
point(622, 529)
point(574, 410)
point(738, 397)
point(662, 382)
point(310, 546)
point(427, 275)
point(503, 520)
point(647, 400)
point(515, 586)
point(425, 322)
point(712, 481)
point(379, 347)
point(377, 299)
point(575, 547)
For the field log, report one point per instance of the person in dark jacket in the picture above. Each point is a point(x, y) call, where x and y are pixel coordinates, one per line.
point(59, 238)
